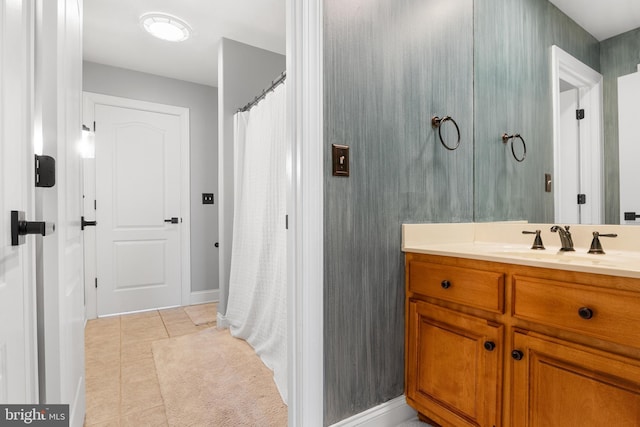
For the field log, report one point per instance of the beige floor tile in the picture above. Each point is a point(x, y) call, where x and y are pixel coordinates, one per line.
point(152, 417)
point(141, 315)
point(136, 350)
point(102, 405)
point(140, 395)
point(115, 422)
point(173, 315)
point(103, 323)
point(142, 323)
point(181, 328)
point(102, 371)
point(138, 370)
point(149, 334)
point(97, 380)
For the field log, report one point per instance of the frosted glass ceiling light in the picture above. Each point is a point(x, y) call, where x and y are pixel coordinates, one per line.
point(165, 27)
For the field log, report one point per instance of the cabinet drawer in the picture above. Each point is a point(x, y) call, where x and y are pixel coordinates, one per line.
point(611, 315)
point(475, 288)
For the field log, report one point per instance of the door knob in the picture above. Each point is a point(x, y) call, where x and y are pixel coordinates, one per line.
point(20, 228)
point(173, 220)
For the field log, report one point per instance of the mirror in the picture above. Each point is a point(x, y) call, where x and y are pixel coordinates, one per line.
point(512, 94)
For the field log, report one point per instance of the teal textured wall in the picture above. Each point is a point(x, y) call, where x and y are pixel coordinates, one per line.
point(389, 66)
point(619, 56)
point(512, 72)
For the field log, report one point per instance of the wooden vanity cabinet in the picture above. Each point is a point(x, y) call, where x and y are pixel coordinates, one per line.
point(493, 344)
point(557, 383)
point(453, 366)
point(453, 359)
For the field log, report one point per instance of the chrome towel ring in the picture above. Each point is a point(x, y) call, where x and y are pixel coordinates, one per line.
point(506, 138)
point(437, 122)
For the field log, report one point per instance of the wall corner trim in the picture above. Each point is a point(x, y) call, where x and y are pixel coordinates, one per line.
point(390, 413)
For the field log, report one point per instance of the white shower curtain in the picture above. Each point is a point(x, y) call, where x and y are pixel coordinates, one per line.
point(256, 307)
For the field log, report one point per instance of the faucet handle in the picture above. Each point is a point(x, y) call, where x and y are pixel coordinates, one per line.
point(596, 247)
point(537, 242)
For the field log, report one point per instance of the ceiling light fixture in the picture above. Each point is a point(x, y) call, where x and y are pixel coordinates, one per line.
point(165, 26)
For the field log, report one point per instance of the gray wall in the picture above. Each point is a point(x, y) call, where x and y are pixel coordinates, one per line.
point(243, 72)
point(203, 110)
point(390, 65)
point(513, 94)
point(619, 56)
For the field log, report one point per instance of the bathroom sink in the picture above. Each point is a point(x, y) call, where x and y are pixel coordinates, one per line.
point(612, 260)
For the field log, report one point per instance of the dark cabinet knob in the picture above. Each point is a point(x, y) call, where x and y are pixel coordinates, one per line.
point(517, 355)
point(216, 244)
point(489, 345)
point(445, 284)
point(585, 312)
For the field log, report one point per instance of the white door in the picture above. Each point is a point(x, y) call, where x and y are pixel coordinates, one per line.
point(629, 146)
point(18, 357)
point(569, 158)
point(138, 192)
point(58, 106)
point(577, 143)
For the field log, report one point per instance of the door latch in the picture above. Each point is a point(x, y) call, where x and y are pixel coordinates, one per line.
point(20, 228)
point(173, 220)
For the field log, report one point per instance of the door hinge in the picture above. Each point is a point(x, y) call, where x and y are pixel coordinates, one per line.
point(286, 222)
point(582, 199)
point(95, 205)
point(580, 114)
point(96, 282)
point(94, 126)
point(45, 170)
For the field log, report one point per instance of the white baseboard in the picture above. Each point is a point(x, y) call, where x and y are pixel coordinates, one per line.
point(201, 297)
point(388, 414)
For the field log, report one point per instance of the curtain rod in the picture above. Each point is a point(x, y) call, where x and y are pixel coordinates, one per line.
point(260, 97)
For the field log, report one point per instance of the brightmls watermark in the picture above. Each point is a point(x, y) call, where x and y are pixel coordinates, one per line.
point(34, 415)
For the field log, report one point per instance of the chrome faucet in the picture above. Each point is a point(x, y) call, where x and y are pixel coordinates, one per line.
point(565, 237)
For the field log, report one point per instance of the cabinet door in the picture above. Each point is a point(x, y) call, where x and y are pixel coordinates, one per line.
point(557, 384)
point(454, 366)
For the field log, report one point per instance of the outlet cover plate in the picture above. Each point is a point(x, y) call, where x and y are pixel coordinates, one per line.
point(207, 198)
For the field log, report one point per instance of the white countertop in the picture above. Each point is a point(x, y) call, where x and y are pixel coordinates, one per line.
point(504, 242)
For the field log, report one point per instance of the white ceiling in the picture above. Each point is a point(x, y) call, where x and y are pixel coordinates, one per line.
point(113, 36)
point(602, 18)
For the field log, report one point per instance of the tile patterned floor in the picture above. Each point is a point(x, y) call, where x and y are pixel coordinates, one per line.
point(121, 383)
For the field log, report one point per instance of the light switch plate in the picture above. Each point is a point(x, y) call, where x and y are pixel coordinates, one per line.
point(340, 159)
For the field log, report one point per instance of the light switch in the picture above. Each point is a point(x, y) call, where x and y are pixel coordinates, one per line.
point(340, 156)
point(547, 182)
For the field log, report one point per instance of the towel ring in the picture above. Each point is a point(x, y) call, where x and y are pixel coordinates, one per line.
point(437, 122)
point(506, 138)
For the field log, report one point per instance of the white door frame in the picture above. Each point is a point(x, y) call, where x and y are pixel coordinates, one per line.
point(90, 100)
point(16, 143)
point(589, 82)
point(305, 170)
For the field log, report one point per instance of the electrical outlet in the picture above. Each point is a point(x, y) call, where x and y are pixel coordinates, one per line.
point(207, 198)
